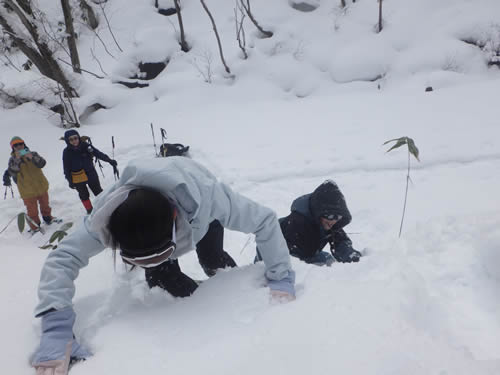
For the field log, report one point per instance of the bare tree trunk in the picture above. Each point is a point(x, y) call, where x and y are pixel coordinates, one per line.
point(43, 58)
point(30, 53)
point(379, 15)
point(26, 6)
point(87, 10)
point(266, 33)
point(70, 36)
point(217, 36)
point(183, 43)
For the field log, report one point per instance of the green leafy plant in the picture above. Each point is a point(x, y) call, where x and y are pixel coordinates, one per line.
point(412, 150)
point(58, 235)
point(20, 222)
point(54, 239)
point(22, 218)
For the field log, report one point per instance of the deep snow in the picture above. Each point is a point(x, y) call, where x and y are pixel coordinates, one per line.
point(296, 113)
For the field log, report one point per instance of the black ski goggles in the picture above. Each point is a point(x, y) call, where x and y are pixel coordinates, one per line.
point(154, 256)
point(332, 217)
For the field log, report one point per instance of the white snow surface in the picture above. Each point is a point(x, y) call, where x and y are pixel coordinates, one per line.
point(314, 102)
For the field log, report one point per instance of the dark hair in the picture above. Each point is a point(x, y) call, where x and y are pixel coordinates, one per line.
point(142, 221)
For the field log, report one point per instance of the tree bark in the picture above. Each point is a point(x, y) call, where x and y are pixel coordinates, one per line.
point(92, 19)
point(183, 43)
point(379, 15)
point(26, 6)
point(43, 58)
point(70, 36)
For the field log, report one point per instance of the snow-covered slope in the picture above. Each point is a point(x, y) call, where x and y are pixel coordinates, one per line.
point(300, 110)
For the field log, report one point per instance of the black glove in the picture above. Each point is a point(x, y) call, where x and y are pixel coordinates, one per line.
point(169, 276)
point(113, 163)
point(6, 179)
point(71, 185)
point(344, 253)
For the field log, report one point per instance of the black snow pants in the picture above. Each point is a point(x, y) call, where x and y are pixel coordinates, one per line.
point(83, 192)
point(211, 256)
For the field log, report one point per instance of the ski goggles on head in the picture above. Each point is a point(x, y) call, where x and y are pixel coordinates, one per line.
point(154, 256)
point(331, 216)
point(16, 145)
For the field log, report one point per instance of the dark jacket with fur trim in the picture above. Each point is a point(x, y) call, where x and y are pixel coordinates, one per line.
point(302, 229)
point(81, 157)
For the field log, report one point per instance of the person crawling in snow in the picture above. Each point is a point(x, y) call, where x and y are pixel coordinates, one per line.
point(317, 219)
point(159, 210)
point(79, 168)
point(25, 167)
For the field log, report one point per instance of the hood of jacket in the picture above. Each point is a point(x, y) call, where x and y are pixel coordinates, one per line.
point(70, 133)
point(327, 199)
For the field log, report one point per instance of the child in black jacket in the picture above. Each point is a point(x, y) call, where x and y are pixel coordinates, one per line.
point(315, 220)
point(79, 168)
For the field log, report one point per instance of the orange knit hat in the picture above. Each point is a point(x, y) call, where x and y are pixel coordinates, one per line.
point(15, 140)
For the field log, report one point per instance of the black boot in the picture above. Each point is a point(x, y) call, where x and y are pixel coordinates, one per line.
point(211, 266)
point(169, 276)
point(47, 219)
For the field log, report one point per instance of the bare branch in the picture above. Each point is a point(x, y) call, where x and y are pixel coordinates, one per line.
point(65, 101)
point(216, 35)
point(83, 70)
point(98, 62)
point(101, 5)
point(205, 70)
point(10, 62)
point(267, 34)
point(240, 31)
point(100, 40)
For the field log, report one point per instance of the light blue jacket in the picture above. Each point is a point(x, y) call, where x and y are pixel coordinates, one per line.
point(199, 198)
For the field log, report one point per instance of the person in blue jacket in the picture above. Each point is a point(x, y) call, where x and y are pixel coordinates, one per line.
point(79, 168)
point(159, 210)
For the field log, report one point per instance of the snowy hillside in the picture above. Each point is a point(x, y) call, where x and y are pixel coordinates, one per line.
point(315, 101)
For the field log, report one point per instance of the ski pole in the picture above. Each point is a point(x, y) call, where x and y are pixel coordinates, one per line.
point(100, 167)
point(5, 194)
point(10, 221)
point(154, 141)
point(163, 139)
point(12, 191)
point(31, 221)
point(116, 173)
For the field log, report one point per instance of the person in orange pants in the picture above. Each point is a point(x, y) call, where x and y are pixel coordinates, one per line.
point(25, 167)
